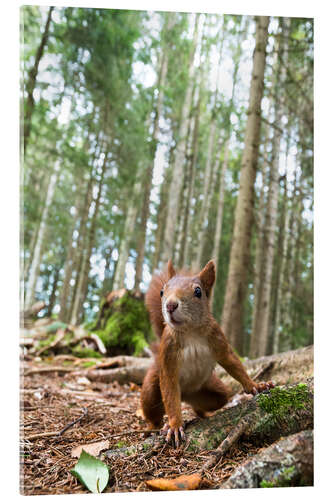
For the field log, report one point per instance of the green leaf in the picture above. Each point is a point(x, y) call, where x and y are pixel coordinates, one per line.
point(93, 473)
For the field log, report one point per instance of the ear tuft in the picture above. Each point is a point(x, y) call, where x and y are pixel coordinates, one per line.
point(207, 277)
point(171, 270)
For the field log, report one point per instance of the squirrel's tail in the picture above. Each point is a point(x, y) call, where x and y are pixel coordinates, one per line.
point(153, 301)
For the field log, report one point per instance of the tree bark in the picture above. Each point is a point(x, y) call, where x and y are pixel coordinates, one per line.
point(233, 310)
point(260, 333)
point(289, 462)
point(31, 84)
point(281, 267)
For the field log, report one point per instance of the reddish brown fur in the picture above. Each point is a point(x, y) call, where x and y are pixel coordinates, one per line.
point(183, 368)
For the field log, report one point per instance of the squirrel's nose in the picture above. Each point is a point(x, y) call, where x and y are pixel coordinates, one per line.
point(171, 306)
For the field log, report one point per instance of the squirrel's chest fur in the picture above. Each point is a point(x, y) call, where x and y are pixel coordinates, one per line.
point(196, 364)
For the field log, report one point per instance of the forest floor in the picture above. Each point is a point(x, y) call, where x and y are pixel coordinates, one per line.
point(52, 400)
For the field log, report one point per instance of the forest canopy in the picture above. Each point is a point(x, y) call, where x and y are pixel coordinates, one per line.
point(155, 135)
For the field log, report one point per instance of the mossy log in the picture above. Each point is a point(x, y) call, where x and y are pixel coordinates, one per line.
point(279, 412)
point(123, 323)
point(288, 462)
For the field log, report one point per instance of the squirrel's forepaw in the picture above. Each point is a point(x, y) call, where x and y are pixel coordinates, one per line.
point(262, 386)
point(174, 434)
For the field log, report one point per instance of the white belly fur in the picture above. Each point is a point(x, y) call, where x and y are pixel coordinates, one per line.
point(196, 364)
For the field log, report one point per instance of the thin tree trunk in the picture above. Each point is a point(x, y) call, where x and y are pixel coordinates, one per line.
point(260, 333)
point(209, 168)
point(161, 217)
point(233, 310)
point(149, 171)
point(281, 270)
point(83, 279)
point(260, 230)
point(220, 202)
point(54, 290)
point(31, 84)
point(34, 269)
point(65, 289)
point(131, 217)
point(191, 175)
point(178, 167)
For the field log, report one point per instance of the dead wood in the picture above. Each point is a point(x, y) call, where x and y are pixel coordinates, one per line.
point(283, 368)
point(278, 412)
point(288, 462)
point(58, 338)
point(124, 369)
point(49, 369)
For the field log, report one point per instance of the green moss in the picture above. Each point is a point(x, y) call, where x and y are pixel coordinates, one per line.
point(56, 326)
point(121, 444)
point(127, 327)
point(88, 364)
point(85, 352)
point(279, 401)
point(283, 479)
point(46, 342)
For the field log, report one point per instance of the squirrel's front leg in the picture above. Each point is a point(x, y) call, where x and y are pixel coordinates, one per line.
point(171, 395)
point(232, 364)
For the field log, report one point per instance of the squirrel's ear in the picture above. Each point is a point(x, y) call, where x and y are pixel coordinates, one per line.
point(171, 270)
point(207, 277)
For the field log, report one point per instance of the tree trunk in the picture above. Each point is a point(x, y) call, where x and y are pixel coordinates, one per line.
point(260, 333)
point(149, 171)
point(54, 290)
point(68, 270)
point(260, 231)
point(178, 167)
point(34, 269)
point(83, 280)
point(161, 217)
point(281, 266)
point(191, 179)
point(131, 216)
point(220, 202)
point(210, 169)
point(31, 83)
point(233, 310)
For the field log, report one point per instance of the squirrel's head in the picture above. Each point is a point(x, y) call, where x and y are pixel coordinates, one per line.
point(185, 299)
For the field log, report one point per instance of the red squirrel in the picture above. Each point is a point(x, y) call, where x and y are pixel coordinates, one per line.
point(191, 344)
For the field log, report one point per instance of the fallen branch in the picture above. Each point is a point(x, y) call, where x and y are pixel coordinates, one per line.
point(226, 444)
point(33, 437)
point(68, 426)
point(58, 338)
point(48, 369)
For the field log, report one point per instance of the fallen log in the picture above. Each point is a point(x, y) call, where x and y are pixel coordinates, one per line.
point(279, 412)
point(284, 368)
point(288, 462)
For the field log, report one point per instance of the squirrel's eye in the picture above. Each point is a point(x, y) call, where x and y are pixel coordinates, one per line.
point(161, 293)
point(197, 292)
